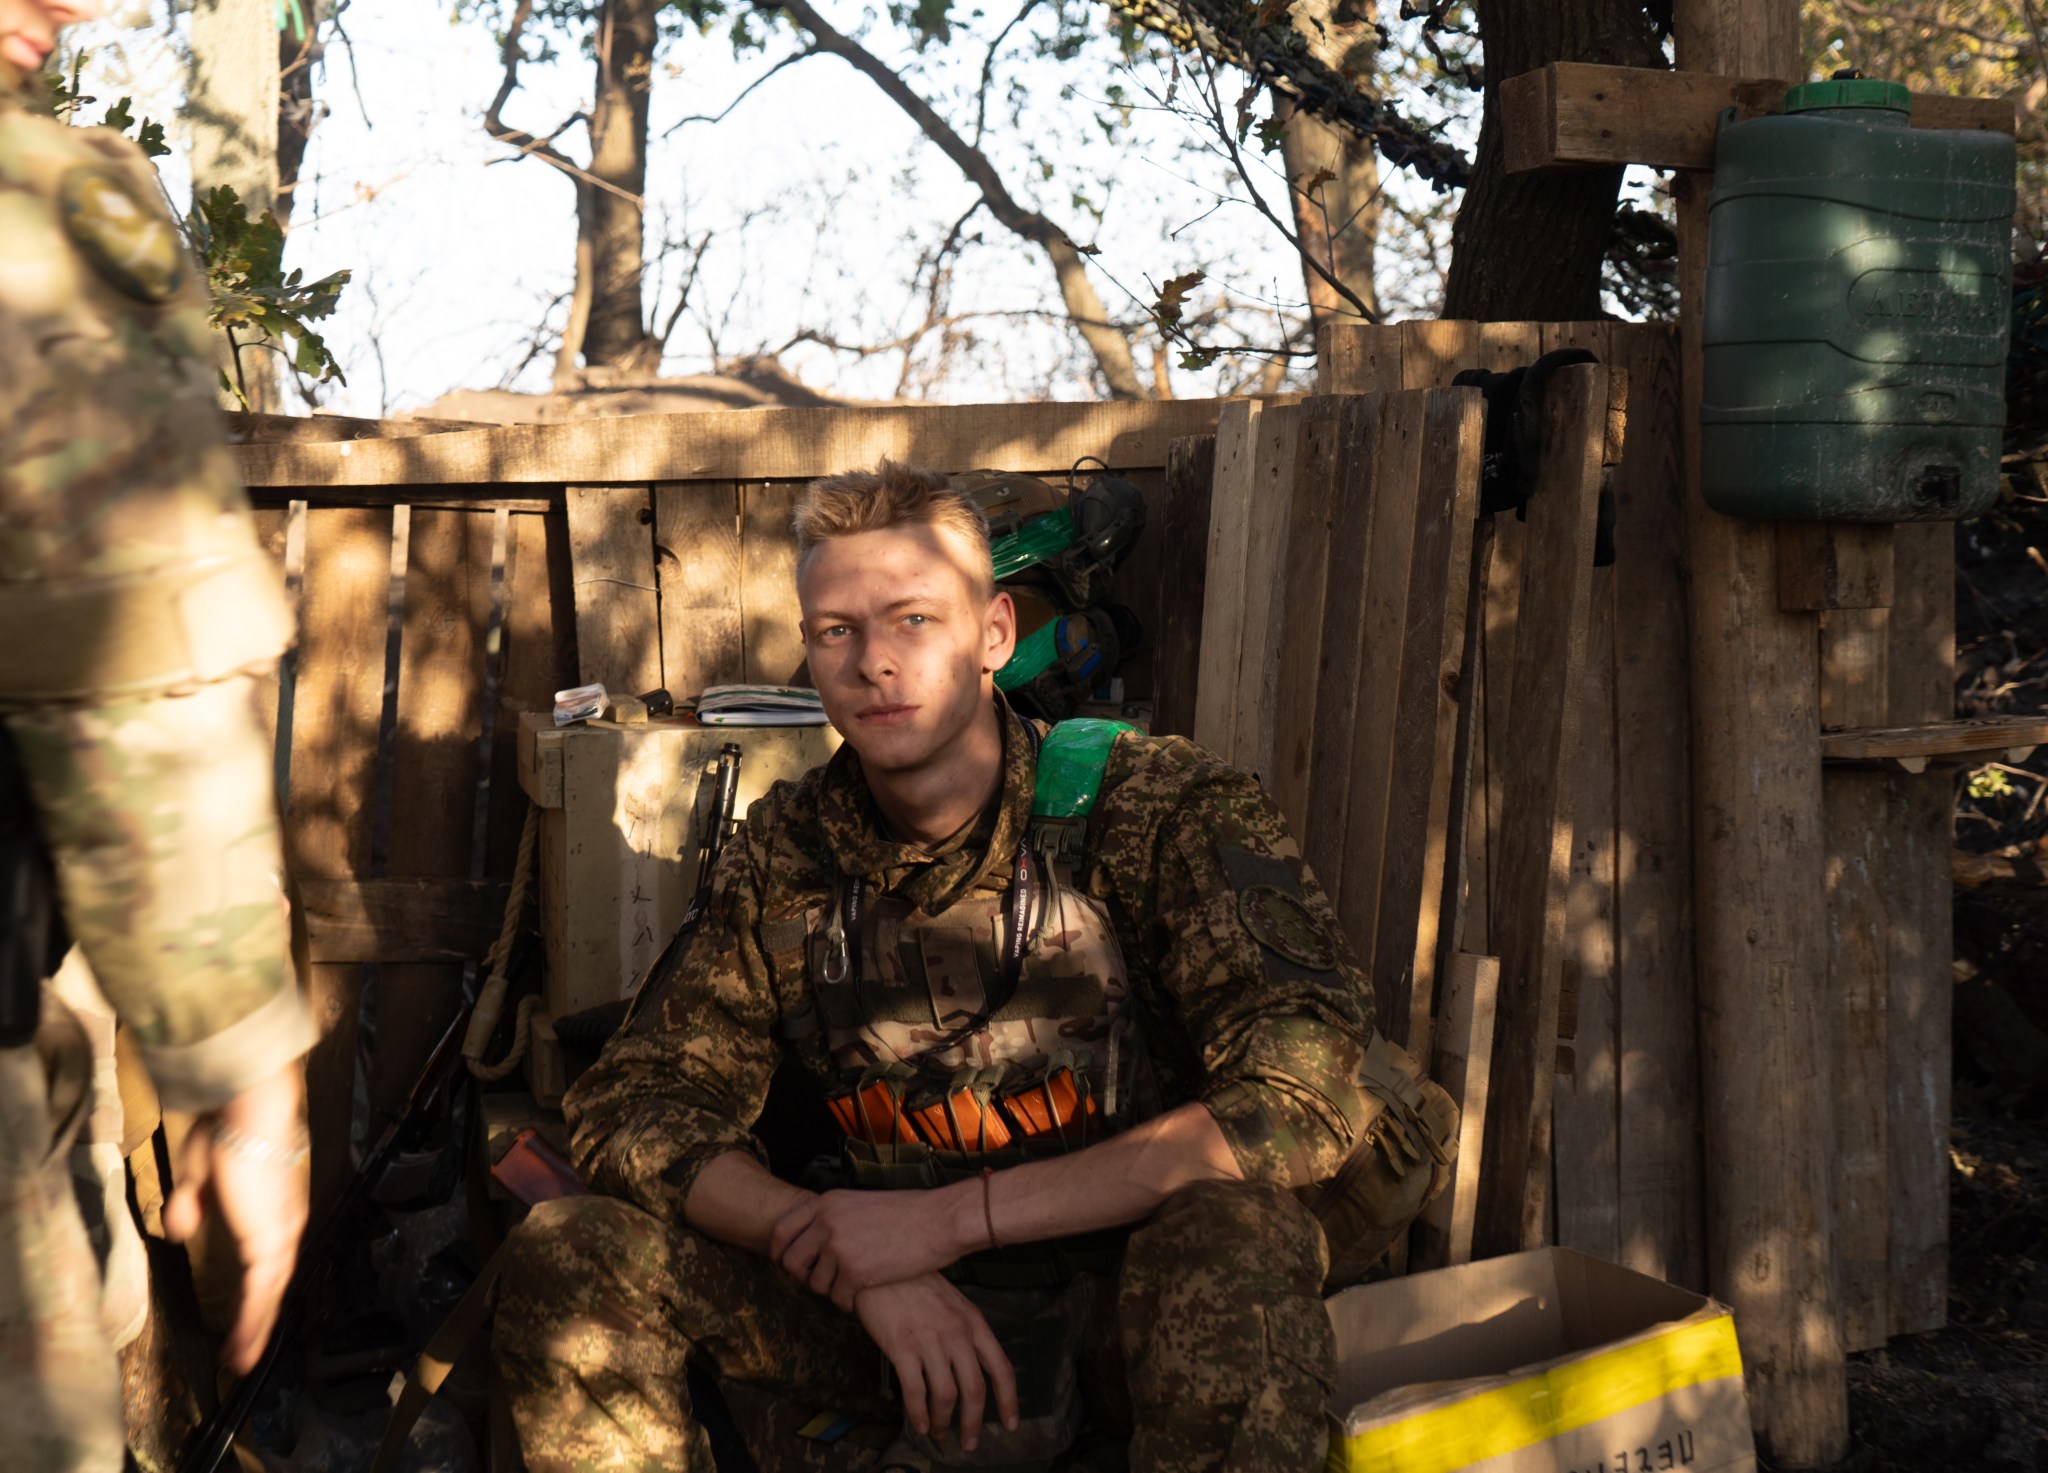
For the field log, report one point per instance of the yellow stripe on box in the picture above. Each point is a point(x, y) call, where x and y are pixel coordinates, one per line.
point(1562, 1399)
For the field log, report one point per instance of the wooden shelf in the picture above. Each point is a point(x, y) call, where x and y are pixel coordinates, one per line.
point(1572, 114)
point(1939, 743)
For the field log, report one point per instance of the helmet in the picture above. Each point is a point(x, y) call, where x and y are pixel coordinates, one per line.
point(1043, 537)
point(1062, 658)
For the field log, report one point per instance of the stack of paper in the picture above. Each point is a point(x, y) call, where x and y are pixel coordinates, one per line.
point(760, 705)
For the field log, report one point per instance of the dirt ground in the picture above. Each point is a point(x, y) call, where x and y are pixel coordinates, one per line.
point(1975, 1395)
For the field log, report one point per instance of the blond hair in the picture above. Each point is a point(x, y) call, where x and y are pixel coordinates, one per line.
point(888, 496)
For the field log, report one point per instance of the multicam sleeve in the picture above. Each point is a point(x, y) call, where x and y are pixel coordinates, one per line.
point(687, 1073)
point(1277, 1007)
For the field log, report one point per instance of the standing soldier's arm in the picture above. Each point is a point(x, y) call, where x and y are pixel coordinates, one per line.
point(126, 546)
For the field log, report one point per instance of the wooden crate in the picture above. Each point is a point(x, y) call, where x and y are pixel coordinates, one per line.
point(618, 841)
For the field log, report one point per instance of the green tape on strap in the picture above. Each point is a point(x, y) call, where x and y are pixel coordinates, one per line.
point(1034, 655)
point(1034, 542)
point(1070, 766)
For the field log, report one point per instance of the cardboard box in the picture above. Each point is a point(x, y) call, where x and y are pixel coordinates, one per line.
point(1540, 1362)
point(618, 839)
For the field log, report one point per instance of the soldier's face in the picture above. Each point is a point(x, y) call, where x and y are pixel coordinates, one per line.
point(28, 28)
point(902, 640)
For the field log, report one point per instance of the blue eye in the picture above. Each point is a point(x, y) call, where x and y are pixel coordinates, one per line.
point(915, 619)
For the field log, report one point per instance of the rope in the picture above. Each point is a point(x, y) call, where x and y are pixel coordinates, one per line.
point(490, 1002)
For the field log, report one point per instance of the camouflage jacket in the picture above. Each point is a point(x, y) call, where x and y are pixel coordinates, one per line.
point(1269, 1045)
point(125, 536)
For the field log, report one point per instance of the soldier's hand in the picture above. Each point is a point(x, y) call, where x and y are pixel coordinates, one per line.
point(946, 1358)
point(843, 1242)
point(249, 1159)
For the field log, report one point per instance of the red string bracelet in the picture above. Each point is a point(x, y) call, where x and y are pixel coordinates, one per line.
point(988, 1211)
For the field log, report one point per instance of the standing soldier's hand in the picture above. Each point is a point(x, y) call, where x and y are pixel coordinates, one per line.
point(250, 1157)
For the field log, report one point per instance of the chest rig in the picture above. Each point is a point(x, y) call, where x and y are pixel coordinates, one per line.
point(998, 1031)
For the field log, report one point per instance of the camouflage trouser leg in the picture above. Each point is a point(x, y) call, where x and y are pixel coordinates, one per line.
point(160, 816)
point(600, 1305)
point(1226, 1345)
point(60, 1392)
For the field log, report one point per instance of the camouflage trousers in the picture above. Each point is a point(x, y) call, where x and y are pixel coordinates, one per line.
point(60, 1392)
point(1211, 1350)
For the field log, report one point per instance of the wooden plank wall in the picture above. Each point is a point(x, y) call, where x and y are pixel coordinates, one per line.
point(1626, 1147)
point(396, 713)
point(435, 608)
point(423, 632)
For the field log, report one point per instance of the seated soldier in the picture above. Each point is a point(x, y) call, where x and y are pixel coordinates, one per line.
point(1090, 1063)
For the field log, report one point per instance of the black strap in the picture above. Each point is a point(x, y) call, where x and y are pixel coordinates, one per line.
point(1024, 890)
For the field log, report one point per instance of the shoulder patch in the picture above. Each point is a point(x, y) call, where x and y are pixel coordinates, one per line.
point(1281, 922)
point(127, 237)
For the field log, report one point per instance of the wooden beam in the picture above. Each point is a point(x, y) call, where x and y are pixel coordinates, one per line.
point(402, 920)
point(618, 624)
point(318, 429)
point(1223, 593)
point(1464, 1067)
point(1936, 741)
point(1536, 826)
point(1359, 358)
point(1183, 555)
point(419, 498)
point(1854, 662)
point(1758, 860)
point(747, 444)
point(1920, 828)
point(1371, 722)
point(1657, 1048)
point(1312, 486)
point(1834, 565)
point(1574, 114)
point(1995, 872)
point(697, 564)
point(1406, 940)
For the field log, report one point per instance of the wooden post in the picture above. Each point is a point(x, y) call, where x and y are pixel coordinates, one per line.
point(1758, 848)
point(1920, 819)
point(1854, 657)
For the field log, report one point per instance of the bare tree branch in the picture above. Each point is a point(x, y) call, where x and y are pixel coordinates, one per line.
point(526, 143)
point(697, 253)
point(1213, 102)
point(745, 92)
point(1111, 349)
point(988, 69)
point(1259, 41)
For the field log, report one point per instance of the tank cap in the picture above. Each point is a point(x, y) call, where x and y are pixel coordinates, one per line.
point(1849, 92)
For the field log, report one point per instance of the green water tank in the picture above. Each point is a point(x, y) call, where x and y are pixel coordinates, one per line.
point(1858, 301)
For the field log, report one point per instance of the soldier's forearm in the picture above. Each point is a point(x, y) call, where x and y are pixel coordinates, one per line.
point(737, 1201)
point(1121, 1180)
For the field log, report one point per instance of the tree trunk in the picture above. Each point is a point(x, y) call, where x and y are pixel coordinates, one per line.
point(1337, 219)
point(297, 111)
point(1495, 276)
point(231, 113)
point(612, 220)
point(1105, 340)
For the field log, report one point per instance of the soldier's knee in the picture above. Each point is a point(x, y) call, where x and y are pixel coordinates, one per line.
point(574, 1248)
point(1257, 1230)
point(1220, 1305)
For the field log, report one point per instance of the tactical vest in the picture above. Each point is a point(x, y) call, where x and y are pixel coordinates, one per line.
point(997, 1032)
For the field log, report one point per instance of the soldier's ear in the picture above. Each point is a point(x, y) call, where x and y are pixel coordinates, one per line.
point(999, 628)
